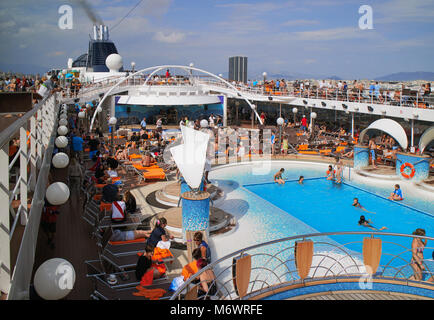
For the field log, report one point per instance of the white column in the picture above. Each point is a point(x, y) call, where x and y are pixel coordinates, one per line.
point(23, 174)
point(352, 125)
point(5, 253)
point(412, 132)
point(225, 110)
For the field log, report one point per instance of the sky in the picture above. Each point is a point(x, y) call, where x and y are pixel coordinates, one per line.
point(319, 37)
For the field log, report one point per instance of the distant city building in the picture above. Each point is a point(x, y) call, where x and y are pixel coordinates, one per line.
point(238, 69)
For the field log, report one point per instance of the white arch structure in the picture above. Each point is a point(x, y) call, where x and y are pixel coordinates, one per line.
point(159, 68)
point(426, 138)
point(391, 127)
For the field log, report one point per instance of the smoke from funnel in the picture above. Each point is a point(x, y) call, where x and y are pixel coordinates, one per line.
point(90, 12)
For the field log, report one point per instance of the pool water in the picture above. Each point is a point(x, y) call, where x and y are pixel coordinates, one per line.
point(317, 206)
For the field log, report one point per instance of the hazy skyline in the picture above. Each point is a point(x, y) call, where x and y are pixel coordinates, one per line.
point(319, 37)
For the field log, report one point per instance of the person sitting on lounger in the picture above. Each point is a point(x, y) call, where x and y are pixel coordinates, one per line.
point(367, 223)
point(396, 194)
point(146, 270)
point(158, 231)
point(278, 177)
point(357, 204)
point(349, 153)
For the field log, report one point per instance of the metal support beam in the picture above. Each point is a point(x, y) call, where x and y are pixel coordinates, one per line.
point(5, 254)
point(23, 175)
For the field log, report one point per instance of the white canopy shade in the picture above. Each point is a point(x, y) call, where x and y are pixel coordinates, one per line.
point(391, 127)
point(426, 138)
point(191, 155)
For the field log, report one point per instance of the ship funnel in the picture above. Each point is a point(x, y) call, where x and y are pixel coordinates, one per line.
point(95, 32)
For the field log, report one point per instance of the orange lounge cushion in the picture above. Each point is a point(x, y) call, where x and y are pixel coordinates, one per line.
point(309, 152)
point(97, 197)
point(100, 186)
point(140, 240)
point(134, 156)
point(105, 206)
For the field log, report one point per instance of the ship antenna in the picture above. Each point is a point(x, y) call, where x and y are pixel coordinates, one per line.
point(126, 15)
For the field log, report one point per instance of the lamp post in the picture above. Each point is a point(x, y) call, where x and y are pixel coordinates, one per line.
point(280, 122)
point(253, 114)
point(237, 104)
point(264, 74)
point(313, 115)
point(112, 123)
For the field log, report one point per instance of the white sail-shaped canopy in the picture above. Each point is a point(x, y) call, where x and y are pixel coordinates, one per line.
point(426, 138)
point(391, 127)
point(191, 155)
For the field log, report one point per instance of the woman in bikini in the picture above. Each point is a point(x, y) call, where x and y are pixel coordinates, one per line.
point(278, 177)
point(417, 247)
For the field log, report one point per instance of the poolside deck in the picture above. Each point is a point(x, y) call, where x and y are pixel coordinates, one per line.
point(359, 295)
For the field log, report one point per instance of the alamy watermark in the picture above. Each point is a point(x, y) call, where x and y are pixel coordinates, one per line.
point(66, 280)
point(66, 19)
point(366, 21)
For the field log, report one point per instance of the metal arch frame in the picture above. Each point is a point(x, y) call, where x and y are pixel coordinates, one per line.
point(158, 68)
point(177, 293)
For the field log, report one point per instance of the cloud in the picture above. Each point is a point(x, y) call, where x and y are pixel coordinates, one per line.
point(172, 37)
point(300, 22)
point(332, 34)
point(401, 11)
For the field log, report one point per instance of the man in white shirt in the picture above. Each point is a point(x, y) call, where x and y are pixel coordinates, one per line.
point(119, 210)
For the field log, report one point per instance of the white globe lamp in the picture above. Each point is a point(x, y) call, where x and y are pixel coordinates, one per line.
point(82, 114)
point(280, 121)
point(54, 279)
point(57, 193)
point(191, 64)
point(313, 115)
point(294, 110)
point(61, 142)
point(63, 122)
point(253, 106)
point(204, 123)
point(62, 131)
point(112, 121)
point(60, 160)
point(264, 74)
point(114, 62)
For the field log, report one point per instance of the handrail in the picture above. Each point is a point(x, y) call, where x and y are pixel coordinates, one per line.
point(239, 252)
point(6, 134)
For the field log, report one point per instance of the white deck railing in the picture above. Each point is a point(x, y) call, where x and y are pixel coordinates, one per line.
point(27, 173)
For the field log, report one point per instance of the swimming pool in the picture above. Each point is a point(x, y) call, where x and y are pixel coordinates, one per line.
point(267, 211)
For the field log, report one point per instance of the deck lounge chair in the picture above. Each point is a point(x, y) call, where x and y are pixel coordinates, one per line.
point(123, 289)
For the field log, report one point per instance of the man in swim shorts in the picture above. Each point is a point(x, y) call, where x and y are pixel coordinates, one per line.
point(367, 223)
point(372, 148)
point(278, 177)
point(396, 194)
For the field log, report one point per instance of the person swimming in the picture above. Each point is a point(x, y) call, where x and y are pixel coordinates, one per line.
point(367, 223)
point(278, 177)
point(357, 204)
point(300, 180)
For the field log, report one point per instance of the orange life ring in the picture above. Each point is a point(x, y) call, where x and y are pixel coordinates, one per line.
point(413, 171)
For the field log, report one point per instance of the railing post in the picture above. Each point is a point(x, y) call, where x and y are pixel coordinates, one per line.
point(5, 253)
point(33, 171)
point(23, 176)
point(39, 139)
